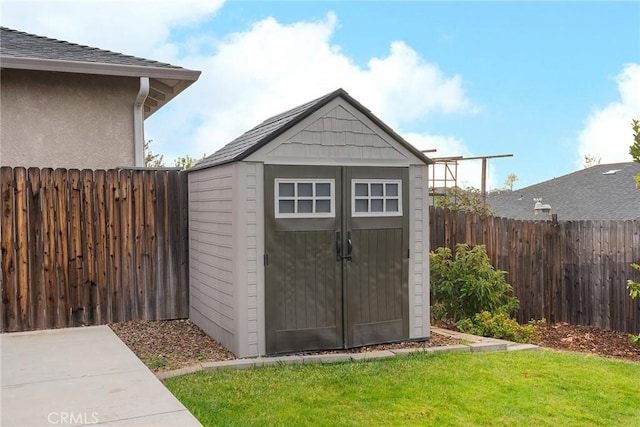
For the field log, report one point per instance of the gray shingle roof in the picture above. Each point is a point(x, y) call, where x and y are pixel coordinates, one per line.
point(19, 44)
point(595, 193)
point(267, 131)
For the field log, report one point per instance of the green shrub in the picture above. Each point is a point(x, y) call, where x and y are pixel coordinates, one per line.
point(466, 283)
point(501, 326)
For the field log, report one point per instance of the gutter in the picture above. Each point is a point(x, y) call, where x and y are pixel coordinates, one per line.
point(37, 64)
point(138, 121)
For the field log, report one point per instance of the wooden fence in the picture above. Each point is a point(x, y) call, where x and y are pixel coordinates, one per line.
point(567, 271)
point(92, 247)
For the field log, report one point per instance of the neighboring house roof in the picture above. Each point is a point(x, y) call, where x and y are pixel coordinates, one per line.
point(267, 131)
point(26, 51)
point(601, 192)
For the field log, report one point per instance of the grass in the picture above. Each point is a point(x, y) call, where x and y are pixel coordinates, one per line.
point(542, 388)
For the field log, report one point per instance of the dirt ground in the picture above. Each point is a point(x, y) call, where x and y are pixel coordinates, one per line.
point(173, 344)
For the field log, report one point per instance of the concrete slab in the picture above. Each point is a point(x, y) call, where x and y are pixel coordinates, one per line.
point(478, 347)
point(455, 348)
point(369, 355)
point(326, 358)
point(79, 376)
point(523, 347)
point(229, 364)
point(408, 351)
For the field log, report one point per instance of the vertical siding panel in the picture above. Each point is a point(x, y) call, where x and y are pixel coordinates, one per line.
point(8, 250)
point(37, 290)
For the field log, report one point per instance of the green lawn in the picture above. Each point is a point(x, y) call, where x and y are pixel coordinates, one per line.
point(542, 388)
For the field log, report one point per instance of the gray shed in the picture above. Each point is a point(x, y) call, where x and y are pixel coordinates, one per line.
point(311, 232)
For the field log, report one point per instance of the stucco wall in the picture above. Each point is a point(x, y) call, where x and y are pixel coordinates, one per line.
point(66, 120)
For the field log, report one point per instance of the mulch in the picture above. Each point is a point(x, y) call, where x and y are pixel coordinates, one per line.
point(173, 344)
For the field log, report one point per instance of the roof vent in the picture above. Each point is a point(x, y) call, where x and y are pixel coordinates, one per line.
point(611, 172)
point(539, 207)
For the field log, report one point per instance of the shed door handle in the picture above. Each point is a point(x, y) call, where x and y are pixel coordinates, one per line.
point(338, 246)
point(349, 246)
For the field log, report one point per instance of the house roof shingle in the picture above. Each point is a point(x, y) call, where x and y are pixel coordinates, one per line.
point(24, 51)
point(267, 131)
point(601, 192)
point(24, 45)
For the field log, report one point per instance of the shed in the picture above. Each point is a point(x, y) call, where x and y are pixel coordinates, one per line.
point(310, 232)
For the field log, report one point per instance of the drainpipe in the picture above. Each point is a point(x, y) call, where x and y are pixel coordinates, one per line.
point(138, 121)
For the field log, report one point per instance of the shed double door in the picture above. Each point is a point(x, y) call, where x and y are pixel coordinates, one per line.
point(336, 261)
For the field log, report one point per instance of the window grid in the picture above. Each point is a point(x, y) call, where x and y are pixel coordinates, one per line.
point(376, 197)
point(310, 198)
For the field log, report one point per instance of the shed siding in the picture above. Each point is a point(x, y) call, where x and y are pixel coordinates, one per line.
point(248, 217)
point(419, 316)
point(211, 251)
point(337, 134)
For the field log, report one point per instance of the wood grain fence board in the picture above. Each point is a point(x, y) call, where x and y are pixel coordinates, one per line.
point(37, 289)
point(8, 248)
point(22, 246)
point(62, 248)
point(152, 246)
point(127, 242)
point(115, 245)
point(573, 271)
point(90, 296)
point(183, 236)
point(102, 251)
point(139, 237)
point(161, 241)
point(75, 249)
point(48, 203)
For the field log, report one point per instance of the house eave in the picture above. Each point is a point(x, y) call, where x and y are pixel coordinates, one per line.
point(169, 82)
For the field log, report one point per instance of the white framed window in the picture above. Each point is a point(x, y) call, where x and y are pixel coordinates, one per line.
point(304, 198)
point(376, 197)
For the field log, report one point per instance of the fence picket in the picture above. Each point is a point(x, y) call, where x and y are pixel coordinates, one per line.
point(568, 271)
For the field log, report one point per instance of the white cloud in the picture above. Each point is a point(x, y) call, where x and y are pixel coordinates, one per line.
point(607, 134)
point(247, 76)
point(134, 27)
point(469, 172)
point(272, 67)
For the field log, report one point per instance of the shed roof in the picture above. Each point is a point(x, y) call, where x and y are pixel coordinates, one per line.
point(26, 51)
point(601, 192)
point(267, 131)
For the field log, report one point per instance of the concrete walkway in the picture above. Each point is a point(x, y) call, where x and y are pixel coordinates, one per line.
point(81, 376)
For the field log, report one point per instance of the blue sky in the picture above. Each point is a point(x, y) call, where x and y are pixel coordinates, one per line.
point(546, 81)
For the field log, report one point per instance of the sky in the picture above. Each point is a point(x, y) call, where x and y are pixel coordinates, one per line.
point(548, 82)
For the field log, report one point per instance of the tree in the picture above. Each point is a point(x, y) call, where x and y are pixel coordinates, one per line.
point(511, 178)
point(591, 160)
point(634, 150)
point(186, 162)
point(152, 160)
point(467, 199)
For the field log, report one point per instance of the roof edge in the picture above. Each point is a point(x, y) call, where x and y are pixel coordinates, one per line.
point(101, 68)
